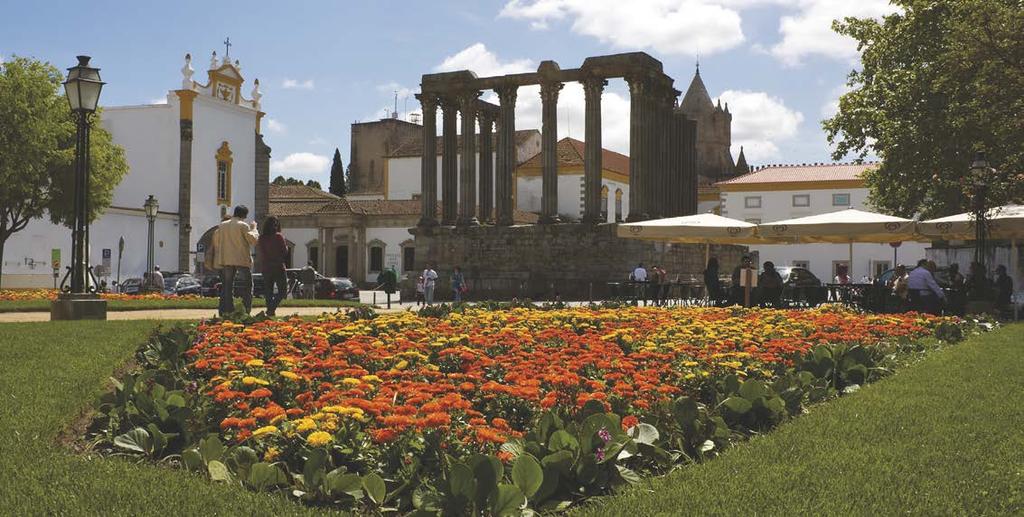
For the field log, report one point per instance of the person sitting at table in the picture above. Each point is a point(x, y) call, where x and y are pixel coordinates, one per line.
point(769, 285)
point(924, 293)
point(659, 287)
point(957, 290)
point(712, 283)
point(842, 275)
point(898, 285)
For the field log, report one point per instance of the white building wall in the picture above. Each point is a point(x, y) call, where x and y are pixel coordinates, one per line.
point(301, 237)
point(392, 239)
point(820, 258)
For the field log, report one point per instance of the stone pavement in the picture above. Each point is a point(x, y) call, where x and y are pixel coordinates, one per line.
point(172, 314)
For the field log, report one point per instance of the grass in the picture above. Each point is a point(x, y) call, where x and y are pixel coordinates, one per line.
point(942, 437)
point(48, 373)
point(140, 305)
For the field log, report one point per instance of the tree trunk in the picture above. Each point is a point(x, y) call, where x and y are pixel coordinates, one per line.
point(3, 240)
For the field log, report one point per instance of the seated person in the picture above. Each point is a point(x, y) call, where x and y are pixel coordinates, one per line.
point(769, 284)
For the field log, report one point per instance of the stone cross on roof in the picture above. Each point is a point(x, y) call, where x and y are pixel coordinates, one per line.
point(227, 47)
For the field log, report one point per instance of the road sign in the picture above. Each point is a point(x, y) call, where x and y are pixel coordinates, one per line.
point(55, 258)
point(106, 253)
point(106, 258)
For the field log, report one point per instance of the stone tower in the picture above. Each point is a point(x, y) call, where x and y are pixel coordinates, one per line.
point(714, 131)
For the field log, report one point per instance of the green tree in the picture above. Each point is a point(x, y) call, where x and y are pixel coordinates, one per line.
point(338, 175)
point(37, 139)
point(938, 81)
point(293, 182)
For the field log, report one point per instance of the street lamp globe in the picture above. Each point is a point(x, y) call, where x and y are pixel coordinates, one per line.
point(83, 86)
point(151, 206)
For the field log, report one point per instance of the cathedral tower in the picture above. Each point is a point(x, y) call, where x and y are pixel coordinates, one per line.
point(714, 131)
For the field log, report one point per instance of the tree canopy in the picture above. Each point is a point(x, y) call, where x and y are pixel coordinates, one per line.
point(37, 141)
point(938, 81)
point(338, 187)
point(289, 181)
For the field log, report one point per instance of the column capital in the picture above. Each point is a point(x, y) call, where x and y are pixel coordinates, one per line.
point(549, 91)
point(467, 101)
point(507, 93)
point(593, 86)
point(639, 84)
point(428, 100)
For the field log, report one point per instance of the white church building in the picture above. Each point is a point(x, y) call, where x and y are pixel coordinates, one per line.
point(199, 155)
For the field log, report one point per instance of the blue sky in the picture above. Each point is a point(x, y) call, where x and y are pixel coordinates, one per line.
point(324, 64)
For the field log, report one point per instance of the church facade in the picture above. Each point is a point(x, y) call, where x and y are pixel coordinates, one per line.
point(199, 154)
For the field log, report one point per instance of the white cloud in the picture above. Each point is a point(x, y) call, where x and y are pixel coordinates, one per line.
point(307, 165)
point(485, 63)
point(276, 127)
point(295, 84)
point(680, 27)
point(809, 31)
point(759, 123)
point(158, 100)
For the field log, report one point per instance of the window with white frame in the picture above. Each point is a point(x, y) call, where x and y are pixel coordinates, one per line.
point(752, 202)
point(801, 200)
point(841, 199)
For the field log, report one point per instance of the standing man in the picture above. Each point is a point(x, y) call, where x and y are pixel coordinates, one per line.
point(158, 279)
point(232, 248)
point(639, 278)
point(429, 281)
point(307, 277)
point(925, 293)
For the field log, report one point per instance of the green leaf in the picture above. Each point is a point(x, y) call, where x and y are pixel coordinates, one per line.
point(549, 486)
point(686, 411)
point(136, 440)
point(738, 405)
point(375, 487)
point(562, 440)
point(175, 400)
point(527, 474)
point(487, 474)
point(263, 475)
point(211, 448)
point(338, 482)
point(644, 433)
point(314, 469)
point(561, 460)
point(218, 471)
point(461, 482)
point(753, 389)
point(628, 475)
point(513, 447)
point(192, 459)
point(508, 500)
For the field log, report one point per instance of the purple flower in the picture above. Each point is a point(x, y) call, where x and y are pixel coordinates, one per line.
point(599, 454)
point(604, 435)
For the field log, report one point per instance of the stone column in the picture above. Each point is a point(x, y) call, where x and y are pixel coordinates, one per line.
point(507, 159)
point(549, 152)
point(486, 194)
point(449, 162)
point(467, 160)
point(689, 166)
point(637, 132)
point(592, 88)
point(185, 195)
point(428, 163)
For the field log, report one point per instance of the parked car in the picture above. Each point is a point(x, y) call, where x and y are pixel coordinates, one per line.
point(800, 285)
point(210, 285)
point(130, 286)
point(338, 288)
point(179, 284)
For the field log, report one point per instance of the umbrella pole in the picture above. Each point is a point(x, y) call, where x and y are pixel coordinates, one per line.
point(707, 253)
point(851, 263)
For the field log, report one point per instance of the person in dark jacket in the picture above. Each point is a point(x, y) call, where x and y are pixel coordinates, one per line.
point(273, 255)
point(769, 284)
point(712, 283)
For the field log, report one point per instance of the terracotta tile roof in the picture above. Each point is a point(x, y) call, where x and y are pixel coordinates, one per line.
point(570, 154)
point(802, 173)
point(297, 192)
point(414, 145)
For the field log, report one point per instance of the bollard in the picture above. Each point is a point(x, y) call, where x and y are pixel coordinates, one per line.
point(375, 298)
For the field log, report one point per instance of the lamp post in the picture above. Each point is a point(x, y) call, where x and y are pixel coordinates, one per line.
point(151, 206)
point(979, 183)
point(82, 87)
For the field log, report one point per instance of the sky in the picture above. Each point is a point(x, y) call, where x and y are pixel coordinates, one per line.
point(325, 64)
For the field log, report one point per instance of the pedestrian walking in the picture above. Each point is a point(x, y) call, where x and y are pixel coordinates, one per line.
point(458, 285)
point(232, 249)
point(273, 252)
point(429, 282)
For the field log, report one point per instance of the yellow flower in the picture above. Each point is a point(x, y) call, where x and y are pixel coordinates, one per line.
point(249, 380)
point(401, 364)
point(350, 381)
point(254, 362)
point(278, 418)
point(318, 439)
point(305, 424)
point(264, 430)
point(271, 454)
point(371, 378)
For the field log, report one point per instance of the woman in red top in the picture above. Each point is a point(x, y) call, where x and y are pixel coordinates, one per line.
point(273, 255)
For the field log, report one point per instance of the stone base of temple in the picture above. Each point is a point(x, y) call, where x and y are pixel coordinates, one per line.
point(574, 261)
point(78, 307)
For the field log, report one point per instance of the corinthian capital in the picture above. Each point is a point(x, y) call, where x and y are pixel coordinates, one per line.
point(549, 91)
point(592, 88)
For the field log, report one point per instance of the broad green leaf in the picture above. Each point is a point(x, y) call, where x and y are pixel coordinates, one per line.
point(136, 440)
point(562, 440)
point(461, 482)
point(753, 389)
point(738, 405)
point(211, 448)
point(628, 475)
point(561, 460)
point(338, 482)
point(513, 447)
point(375, 487)
point(686, 410)
point(527, 474)
point(644, 433)
point(192, 459)
point(218, 471)
point(264, 475)
point(508, 500)
point(315, 467)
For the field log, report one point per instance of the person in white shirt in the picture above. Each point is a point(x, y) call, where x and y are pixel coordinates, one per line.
point(157, 278)
point(429, 281)
point(639, 276)
point(925, 293)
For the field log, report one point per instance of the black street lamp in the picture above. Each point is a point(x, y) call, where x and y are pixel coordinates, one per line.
point(151, 206)
point(80, 301)
point(980, 171)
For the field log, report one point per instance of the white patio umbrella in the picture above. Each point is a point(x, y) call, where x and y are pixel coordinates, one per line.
point(704, 229)
point(843, 227)
point(1004, 222)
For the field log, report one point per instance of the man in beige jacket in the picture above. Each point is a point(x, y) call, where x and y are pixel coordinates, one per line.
point(232, 254)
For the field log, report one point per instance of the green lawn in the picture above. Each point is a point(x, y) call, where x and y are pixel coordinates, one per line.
point(139, 305)
point(48, 372)
point(943, 437)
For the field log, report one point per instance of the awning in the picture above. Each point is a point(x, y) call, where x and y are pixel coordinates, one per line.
point(693, 229)
point(842, 227)
point(1004, 222)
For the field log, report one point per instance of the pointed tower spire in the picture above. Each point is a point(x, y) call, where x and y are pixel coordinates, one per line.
point(741, 163)
point(696, 99)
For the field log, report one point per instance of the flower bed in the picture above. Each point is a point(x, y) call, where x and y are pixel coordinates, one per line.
point(486, 410)
point(15, 295)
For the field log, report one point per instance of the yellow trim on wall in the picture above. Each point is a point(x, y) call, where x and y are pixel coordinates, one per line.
point(186, 100)
point(711, 196)
point(223, 156)
point(791, 185)
point(218, 76)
